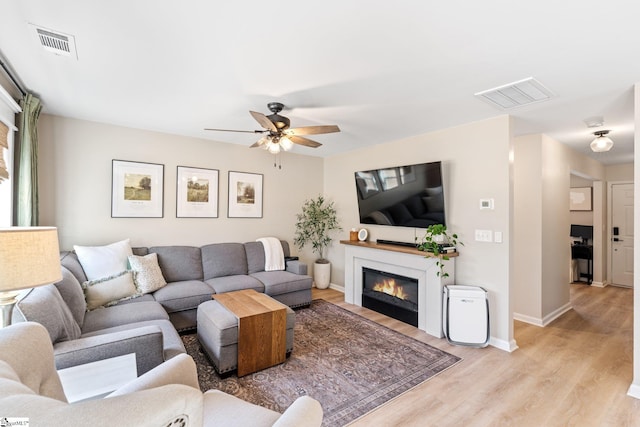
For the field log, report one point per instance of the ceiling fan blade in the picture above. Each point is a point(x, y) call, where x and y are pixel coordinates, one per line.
point(312, 130)
point(233, 130)
point(303, 141)
point(264, 121)
point(259, 142)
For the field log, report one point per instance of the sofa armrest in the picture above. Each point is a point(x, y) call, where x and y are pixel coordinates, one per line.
point(177, 370)
point(303, 412)
point(146, 342)
point(297, 267)
point(162, 406)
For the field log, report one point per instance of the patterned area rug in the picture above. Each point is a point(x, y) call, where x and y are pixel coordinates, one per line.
point(348, 363)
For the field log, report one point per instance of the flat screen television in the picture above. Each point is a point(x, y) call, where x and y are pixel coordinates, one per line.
point(405, 196)
point(584, 232)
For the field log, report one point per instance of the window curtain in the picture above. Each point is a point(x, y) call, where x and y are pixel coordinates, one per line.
point(4, 144)
point(26, 163)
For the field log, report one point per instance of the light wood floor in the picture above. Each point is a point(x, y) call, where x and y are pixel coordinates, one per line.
point(574, 372)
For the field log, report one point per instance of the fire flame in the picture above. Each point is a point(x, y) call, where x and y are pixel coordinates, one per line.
point(389, 287)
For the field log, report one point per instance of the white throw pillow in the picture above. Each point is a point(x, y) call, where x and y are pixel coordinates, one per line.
point(147, 274)
point(109, 290)
point(104, 261)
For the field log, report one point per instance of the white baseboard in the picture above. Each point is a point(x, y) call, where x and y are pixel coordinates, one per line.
point(528, 319)
point(599, 284)
point(634, 391)
point(556, 313)
point(536, 321)
point(336, 287)
point(509, 346)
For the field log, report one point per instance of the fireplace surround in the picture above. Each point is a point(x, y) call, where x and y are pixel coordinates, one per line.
point(403, 261)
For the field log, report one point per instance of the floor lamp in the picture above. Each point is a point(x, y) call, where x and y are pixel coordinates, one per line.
point(29, 257)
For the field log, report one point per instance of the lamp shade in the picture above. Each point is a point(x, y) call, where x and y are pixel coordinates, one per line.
point(29, 257)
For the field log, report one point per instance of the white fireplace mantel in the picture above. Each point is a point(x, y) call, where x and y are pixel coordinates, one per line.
point(405, 262)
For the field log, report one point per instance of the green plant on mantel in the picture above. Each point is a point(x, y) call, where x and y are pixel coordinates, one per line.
point(436, 237)
point(317, 220)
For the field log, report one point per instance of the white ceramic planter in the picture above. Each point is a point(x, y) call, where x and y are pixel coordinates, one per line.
point(322, 275)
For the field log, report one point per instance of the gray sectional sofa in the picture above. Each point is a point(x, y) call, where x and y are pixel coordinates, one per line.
point(148, 325)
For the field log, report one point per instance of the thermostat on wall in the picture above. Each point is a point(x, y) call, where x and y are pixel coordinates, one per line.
point(486, 204)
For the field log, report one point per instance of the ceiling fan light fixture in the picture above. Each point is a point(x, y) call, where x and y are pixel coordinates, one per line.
point(286, 143)
point(602, 142)
point(273, 147)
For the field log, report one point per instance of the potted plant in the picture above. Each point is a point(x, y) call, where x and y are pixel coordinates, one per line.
point(314, 225)
point(435, 240)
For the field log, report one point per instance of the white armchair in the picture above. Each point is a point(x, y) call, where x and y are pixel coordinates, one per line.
point(168, 395)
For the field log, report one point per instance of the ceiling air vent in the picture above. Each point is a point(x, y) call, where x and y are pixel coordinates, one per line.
point(56, 42)
point(516, 94)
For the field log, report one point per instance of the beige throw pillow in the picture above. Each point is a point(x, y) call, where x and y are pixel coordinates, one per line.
point(147, 274)
point(109, 290)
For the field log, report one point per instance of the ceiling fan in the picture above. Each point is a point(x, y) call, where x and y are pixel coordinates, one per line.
point(279, 136)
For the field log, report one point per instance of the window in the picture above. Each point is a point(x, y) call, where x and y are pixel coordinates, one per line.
point(8, 110)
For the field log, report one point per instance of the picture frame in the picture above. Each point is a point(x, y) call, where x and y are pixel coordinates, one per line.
point(245, 195)
point(197, 192)
point(137, 189)
point(580, 199)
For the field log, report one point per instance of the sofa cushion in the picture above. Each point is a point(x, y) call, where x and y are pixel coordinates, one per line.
point(44, 305)
point(281, 282)
point(184, 295)
point(123, 314)
point(179, 263)
point(224, 259)
point(103, 261)
point(255, 256)
point(109, 290)
point(147, 274)
point(140, 251)
point(235, 283)
point(172, 342)
point(73, 295)
point(70, 261)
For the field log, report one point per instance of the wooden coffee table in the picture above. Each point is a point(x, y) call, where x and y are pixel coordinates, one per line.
point(262, 326)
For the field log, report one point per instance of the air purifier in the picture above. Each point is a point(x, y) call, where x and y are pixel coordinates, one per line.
point(466, 315)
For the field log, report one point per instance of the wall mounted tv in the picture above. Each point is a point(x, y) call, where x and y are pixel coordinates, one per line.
point(406, 196)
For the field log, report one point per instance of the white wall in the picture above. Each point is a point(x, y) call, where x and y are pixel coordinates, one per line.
point(75, 185)
point(556, 252)
point(527, 236)
point(634, 389)
point(476, 165)
point(542, 218)
point(622, 172)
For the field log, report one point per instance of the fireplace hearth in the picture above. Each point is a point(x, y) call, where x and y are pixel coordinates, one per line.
point(390, 294)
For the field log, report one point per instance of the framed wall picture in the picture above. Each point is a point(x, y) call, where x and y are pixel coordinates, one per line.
point(197, 192)
point(580, 199)
point(137, 189)
point(245, 195)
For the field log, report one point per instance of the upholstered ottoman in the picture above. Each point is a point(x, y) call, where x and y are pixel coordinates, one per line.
point(218, 334)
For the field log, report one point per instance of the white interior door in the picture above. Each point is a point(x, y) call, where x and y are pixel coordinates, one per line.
point(622, 234)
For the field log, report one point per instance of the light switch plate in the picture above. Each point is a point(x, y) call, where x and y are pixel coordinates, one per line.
point(484, 236)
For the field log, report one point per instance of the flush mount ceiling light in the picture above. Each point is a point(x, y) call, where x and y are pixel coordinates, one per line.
point(602, 142)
